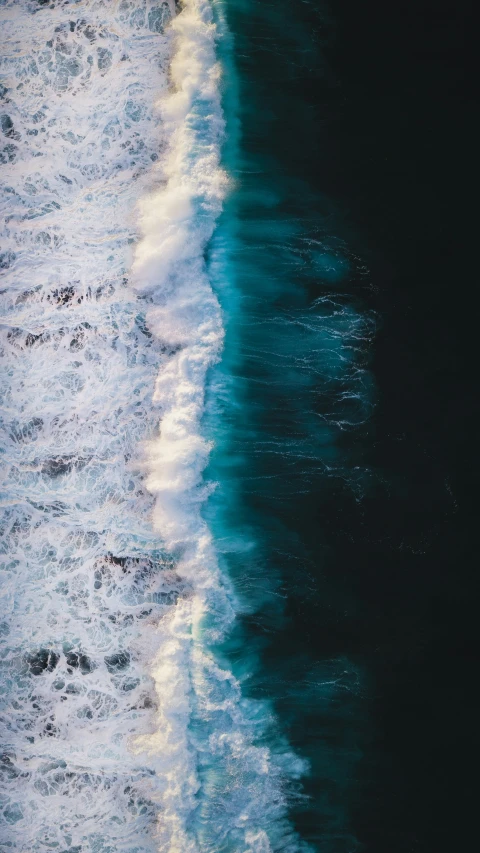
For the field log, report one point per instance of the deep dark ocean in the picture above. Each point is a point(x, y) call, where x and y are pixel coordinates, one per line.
point(353, 442)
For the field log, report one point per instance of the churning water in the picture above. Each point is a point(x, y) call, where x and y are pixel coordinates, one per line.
point(120, 731)
point(124, 726)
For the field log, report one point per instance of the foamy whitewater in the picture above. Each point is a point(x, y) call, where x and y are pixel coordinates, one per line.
point(120, 730)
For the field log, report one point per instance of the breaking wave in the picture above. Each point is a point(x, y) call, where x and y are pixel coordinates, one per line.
point(121, 728)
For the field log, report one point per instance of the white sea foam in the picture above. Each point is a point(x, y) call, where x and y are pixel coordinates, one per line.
point(121, 731)
point(84, 578)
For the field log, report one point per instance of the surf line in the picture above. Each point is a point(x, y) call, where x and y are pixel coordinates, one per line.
point(216, 786)
point(169, 270)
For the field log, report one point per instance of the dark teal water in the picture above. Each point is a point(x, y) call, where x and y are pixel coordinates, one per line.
point(299, 395)
point(344, 406)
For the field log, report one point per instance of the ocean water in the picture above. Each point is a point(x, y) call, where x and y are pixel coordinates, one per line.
point(220, 533)
point(356, 154)
point(289, 411)
point(122, 726)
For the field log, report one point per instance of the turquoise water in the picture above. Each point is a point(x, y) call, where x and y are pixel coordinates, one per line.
point(287, 409)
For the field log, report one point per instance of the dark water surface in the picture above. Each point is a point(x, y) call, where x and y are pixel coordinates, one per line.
point(351, 453)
